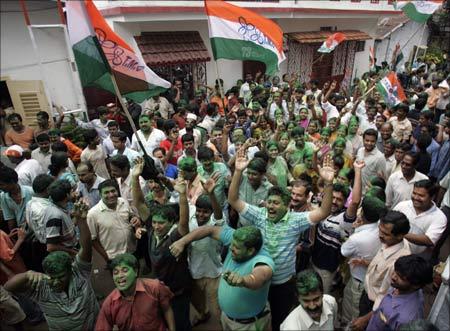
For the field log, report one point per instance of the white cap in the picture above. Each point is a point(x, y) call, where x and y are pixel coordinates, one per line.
point(191, 116)
point(14, 151)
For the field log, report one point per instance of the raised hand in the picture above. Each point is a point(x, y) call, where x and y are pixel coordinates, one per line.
point(80, 210)
point(210, 184)
point(327, 170)
point(138, 167)
point(241, 160)
point(359, 164)
point(135, 222)
point(180, 185)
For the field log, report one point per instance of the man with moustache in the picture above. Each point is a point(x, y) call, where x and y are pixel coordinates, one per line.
point(317, 311)
point(384, 136)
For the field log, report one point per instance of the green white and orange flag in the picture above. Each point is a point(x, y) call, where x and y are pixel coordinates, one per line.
point(239, 34)
point(391, 89)
point(99, 52)
point(418, 10)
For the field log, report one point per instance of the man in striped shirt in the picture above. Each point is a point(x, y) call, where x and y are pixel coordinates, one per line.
point(281, 229)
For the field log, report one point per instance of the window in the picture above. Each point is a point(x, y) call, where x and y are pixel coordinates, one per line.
point(326, 28)
point(355, 0)
point(374, 1)
point(360, 45)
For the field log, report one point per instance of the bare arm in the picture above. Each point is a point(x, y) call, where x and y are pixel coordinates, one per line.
point(419, 239)
point(327, 174)
point(80, 214)
point(440, 195)
point(170, 318)
point(256, 279)
point(183, 224)
point(99, 248)
point(233, 192)
point(23, 281)
point(209, 187)
point(58, 247)
point(357, 190)
point(136, 191)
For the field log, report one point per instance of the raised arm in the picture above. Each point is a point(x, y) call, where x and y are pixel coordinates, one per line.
point(136, 191)
point(233, 192)
point(357, 189)
point(183, 224)
point(79, 215)
point(327, 174)
point(209, 186)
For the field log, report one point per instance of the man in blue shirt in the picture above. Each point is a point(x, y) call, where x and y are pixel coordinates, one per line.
point(244, 286)
point(404, 301)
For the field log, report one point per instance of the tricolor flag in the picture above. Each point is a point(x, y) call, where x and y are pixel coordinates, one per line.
point(239, 34)
point(99, 52)
point(418, 10)
point(371, 59)
point(331, 43)
point(391, 89)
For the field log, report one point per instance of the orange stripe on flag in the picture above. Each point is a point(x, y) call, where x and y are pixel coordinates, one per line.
point(98, 22)
point(226, 11)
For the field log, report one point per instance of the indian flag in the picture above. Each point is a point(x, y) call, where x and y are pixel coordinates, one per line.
point(331, 43)
point(239, 34)
point(391, 89)
point(418, 10)
point(99, 52)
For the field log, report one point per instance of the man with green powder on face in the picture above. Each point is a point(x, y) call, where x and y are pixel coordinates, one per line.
point(64, 293)
point(281, 229)
point(136, 303)
point(244, 285)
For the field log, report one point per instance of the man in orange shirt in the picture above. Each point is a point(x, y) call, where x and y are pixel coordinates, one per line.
point(73, 150)
point(19, 134)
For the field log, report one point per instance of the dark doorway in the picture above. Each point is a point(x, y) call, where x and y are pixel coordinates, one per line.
point(253, 67)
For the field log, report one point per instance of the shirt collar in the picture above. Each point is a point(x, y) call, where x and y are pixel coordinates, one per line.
point(326, 312)
point(104, 207)
point(391, 250)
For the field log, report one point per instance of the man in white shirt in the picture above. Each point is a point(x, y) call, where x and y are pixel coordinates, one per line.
point(159, 104)
point(427, 221)
point(100, 124)
point(150, 137)
point(119, 140)
point(27, 170)
point(191, 121)
point(112, 222)
point(372, 157)
point(43, 153)
point(107, 143)
point(317, 311)
point(360, 248)
point(400, 184)
point(120, 170)
point(245, 91)
point(389, 155)
point(332, 110)
point(278, 107)
point(205, 263)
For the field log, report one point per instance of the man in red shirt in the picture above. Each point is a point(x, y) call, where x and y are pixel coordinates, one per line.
point(136, 303)
point(172, 144)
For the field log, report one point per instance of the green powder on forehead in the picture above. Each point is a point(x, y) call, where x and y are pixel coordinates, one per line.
point(188, 164)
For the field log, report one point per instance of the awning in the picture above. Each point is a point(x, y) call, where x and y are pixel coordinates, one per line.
point(314, 37)
point(174, 47)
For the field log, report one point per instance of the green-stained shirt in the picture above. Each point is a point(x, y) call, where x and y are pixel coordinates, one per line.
point(222, 182)
point(298, 155)
point(280, 170)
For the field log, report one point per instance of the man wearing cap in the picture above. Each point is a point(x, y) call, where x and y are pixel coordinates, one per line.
point(26, 170)
point(158, 104)
point(191, 122)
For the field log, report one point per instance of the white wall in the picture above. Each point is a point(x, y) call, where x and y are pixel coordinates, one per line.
point(231, 71)
point(411, 29)
point(19, 62)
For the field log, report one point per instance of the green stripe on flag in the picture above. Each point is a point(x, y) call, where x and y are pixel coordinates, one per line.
point(233, 49)
point(411, 11)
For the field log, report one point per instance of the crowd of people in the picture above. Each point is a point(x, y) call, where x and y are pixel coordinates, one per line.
point(279, 205)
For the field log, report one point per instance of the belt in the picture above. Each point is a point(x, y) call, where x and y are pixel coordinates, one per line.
point(250, 319)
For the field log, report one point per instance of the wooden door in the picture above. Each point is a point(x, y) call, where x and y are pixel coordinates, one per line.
point(28, 98)
point(253, 67)
point(322, 67)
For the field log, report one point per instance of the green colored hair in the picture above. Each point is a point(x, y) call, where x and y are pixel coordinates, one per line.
point(326, 130)
point(309, 281)
point(281, 192)
point(250, 236)
point(57, 262)
point(127, 259)
point(340, 141)
point(373, 209)
point(271, 144)
point(188, 164)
